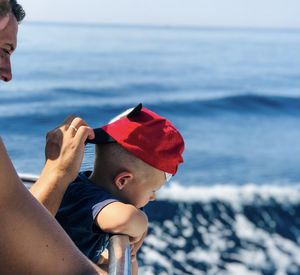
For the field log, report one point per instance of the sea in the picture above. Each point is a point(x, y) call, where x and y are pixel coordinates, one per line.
point(234, 94)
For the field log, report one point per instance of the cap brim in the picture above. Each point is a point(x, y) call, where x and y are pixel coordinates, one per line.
point(100, 137)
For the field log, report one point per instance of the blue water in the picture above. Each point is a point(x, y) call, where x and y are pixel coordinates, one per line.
point(234, 95)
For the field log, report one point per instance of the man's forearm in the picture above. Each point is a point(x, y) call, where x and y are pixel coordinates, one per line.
point(28, 230)
point(49, 190)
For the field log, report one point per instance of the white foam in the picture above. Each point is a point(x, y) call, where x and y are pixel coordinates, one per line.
point(238, 269)
point(154, 256)
point(281, 251)
point(201, 255)
point(156, 242)
point(171, 227)
point(235, 195)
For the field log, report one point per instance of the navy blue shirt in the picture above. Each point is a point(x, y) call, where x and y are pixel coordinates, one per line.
point(80, 206)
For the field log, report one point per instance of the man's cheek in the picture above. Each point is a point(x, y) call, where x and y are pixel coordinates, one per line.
point(3, 22)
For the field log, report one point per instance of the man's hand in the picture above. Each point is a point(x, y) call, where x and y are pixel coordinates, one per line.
point(64, 153)
point(65, 147)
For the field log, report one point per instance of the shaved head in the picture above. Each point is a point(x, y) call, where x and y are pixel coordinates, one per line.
point(115, 159)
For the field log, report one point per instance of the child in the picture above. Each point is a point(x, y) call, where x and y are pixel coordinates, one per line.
point(134, 156)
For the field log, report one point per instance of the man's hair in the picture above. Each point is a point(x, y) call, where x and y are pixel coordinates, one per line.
point(17, 10)
point(14, 7)
point(4, 8)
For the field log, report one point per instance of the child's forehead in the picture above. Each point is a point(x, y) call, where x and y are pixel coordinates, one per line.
point(153, 179)
point(158, 179)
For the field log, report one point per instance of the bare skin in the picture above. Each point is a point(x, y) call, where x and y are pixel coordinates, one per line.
point(30, 234)
point(126, 218)
point(8, 43)
point(31, 241)
point(64, 153)
point(134, 183)
point(3, 22)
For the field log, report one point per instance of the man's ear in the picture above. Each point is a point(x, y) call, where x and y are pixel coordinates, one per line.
point(122, 179)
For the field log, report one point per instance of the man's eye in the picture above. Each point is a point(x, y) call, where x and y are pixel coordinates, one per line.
point(5, 53)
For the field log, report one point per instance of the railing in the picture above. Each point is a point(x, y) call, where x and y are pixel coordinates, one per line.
point(118, 249)
point(119, 255)
point(28, 179)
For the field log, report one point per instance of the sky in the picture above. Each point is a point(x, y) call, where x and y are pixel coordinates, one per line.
point(203, 13)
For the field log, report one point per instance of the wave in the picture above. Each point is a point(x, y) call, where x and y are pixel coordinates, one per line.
point(91, 101)
point(223, 230)
point(248, 193)
point(162, 96)
point(235, 104)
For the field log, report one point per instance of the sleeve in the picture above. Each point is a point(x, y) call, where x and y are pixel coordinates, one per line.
point(99, 206)
point(84, 201)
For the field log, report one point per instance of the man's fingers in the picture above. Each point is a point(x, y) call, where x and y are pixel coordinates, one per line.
point(67, 122)
point(77, 122)
point(85, 132)
point(72, 123)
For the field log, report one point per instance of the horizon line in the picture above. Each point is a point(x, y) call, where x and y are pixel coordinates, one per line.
point(166, 26)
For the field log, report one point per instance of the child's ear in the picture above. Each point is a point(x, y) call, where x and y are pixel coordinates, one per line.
point(122, 179)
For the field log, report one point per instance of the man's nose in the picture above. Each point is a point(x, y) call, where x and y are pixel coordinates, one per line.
point(5, 69)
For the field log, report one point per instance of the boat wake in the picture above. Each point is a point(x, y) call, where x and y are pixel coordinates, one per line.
point(223, 230)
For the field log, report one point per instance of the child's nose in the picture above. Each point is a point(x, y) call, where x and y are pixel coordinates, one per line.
point(153, 197)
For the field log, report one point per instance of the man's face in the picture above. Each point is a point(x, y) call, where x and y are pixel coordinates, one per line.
point(8, 43)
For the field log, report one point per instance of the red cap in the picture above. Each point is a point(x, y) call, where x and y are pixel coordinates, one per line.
point(148, 136)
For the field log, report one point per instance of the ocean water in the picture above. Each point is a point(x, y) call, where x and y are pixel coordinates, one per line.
point(234, 206)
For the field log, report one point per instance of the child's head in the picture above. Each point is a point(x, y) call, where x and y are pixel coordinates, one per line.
point(138, 151)
point(134, 181)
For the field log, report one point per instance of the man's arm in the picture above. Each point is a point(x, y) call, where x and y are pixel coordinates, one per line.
point(31, 241)
point(64, 153)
